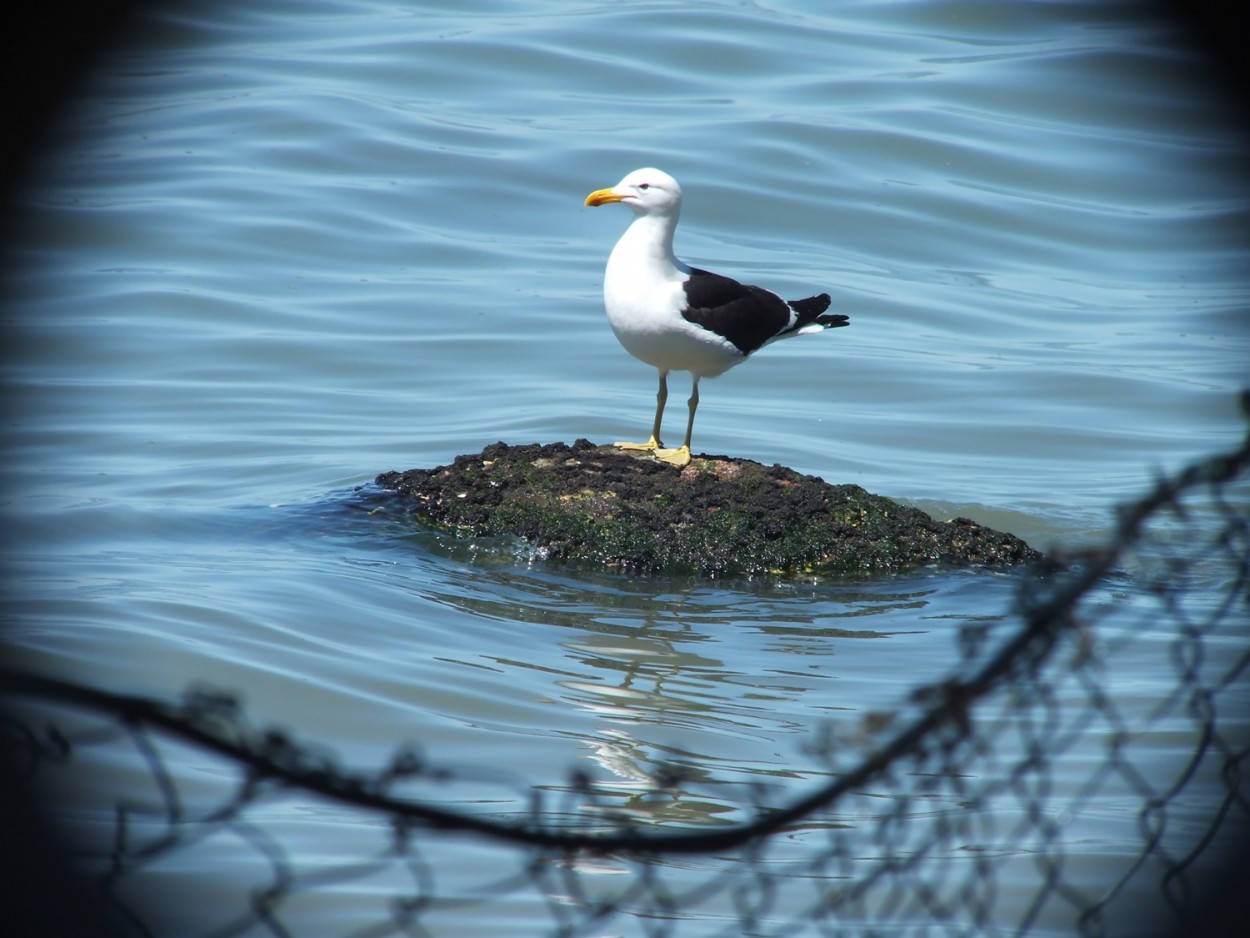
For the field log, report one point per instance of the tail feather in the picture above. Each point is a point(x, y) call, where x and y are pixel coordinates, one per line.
point(810, 318)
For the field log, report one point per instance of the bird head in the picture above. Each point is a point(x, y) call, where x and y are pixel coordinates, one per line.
point(646, 191)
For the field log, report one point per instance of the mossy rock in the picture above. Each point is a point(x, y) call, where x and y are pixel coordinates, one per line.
point(717, 516)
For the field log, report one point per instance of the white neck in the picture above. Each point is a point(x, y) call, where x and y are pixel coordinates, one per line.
point(646, 250)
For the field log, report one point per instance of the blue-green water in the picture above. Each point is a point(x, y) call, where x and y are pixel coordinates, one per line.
point(274, 252)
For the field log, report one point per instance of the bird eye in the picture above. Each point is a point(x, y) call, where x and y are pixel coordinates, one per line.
point(644, 185)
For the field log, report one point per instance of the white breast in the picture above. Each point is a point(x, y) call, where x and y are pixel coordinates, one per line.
point(643, 296)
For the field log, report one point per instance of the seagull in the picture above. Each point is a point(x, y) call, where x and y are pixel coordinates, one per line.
point(676, 317)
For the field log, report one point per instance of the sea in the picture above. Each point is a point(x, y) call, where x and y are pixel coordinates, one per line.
point(274, 249)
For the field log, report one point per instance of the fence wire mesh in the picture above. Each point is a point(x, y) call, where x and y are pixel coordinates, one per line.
point(954, 815)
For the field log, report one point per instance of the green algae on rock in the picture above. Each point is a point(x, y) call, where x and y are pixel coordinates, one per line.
point(717, 516)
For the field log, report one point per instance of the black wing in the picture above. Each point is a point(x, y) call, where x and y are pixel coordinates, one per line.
point(747, 316)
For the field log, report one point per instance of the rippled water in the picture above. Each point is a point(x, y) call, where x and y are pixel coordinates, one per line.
point(274, 253)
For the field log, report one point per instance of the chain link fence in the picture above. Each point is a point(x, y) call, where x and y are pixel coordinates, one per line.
point(1032, 791)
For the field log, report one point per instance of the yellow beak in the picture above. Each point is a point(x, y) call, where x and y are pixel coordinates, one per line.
point(603, 197)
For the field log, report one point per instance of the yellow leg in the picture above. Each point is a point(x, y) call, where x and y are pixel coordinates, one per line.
point(681, 455)
point(661, 397)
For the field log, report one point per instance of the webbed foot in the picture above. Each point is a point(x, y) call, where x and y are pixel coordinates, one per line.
point(651, 445)
point(674, 457)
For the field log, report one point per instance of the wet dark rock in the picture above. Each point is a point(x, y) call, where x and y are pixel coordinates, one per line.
point(718, 516)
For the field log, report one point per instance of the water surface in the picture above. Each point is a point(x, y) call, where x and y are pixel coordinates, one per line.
point(272, 255)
